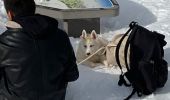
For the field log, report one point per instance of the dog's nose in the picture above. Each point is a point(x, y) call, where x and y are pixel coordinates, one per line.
point(87, 54)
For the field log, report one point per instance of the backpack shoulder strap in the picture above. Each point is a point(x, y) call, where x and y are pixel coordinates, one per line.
point(132, 24)
point(126, 52)
point(131, 35)
point(117, 50)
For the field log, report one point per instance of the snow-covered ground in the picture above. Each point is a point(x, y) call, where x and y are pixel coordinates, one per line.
point(101, 83)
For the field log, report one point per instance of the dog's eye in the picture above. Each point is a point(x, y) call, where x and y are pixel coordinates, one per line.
point(85, 46)
point(91, 45)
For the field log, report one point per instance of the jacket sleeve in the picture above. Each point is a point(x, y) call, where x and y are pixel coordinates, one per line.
point(72, 72)
point(1, 69)
point(3, 53)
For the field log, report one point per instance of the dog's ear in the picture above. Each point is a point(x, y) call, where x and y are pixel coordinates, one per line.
point(83, 35)
point(93, 34)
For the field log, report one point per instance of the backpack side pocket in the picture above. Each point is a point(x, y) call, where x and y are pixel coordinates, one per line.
point(162, 73)
point(147, 70)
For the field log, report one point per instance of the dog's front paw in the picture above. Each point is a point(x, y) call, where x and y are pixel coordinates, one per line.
point(105, 63)
point(92, 65)
point(89, 64)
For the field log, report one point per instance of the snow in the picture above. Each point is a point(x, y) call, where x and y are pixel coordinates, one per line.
point(101, 83)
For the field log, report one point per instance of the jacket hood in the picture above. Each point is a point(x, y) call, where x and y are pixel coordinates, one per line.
point(37, 24)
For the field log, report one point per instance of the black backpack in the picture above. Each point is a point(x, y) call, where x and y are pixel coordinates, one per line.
point(147, 70)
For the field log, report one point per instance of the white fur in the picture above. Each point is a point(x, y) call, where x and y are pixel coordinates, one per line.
point(111, 49)
point(89, 44)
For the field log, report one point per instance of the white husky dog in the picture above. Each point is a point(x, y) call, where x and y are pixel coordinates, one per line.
point(88, 45)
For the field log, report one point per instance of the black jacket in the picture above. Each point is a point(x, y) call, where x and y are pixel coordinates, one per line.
point(36, 61)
